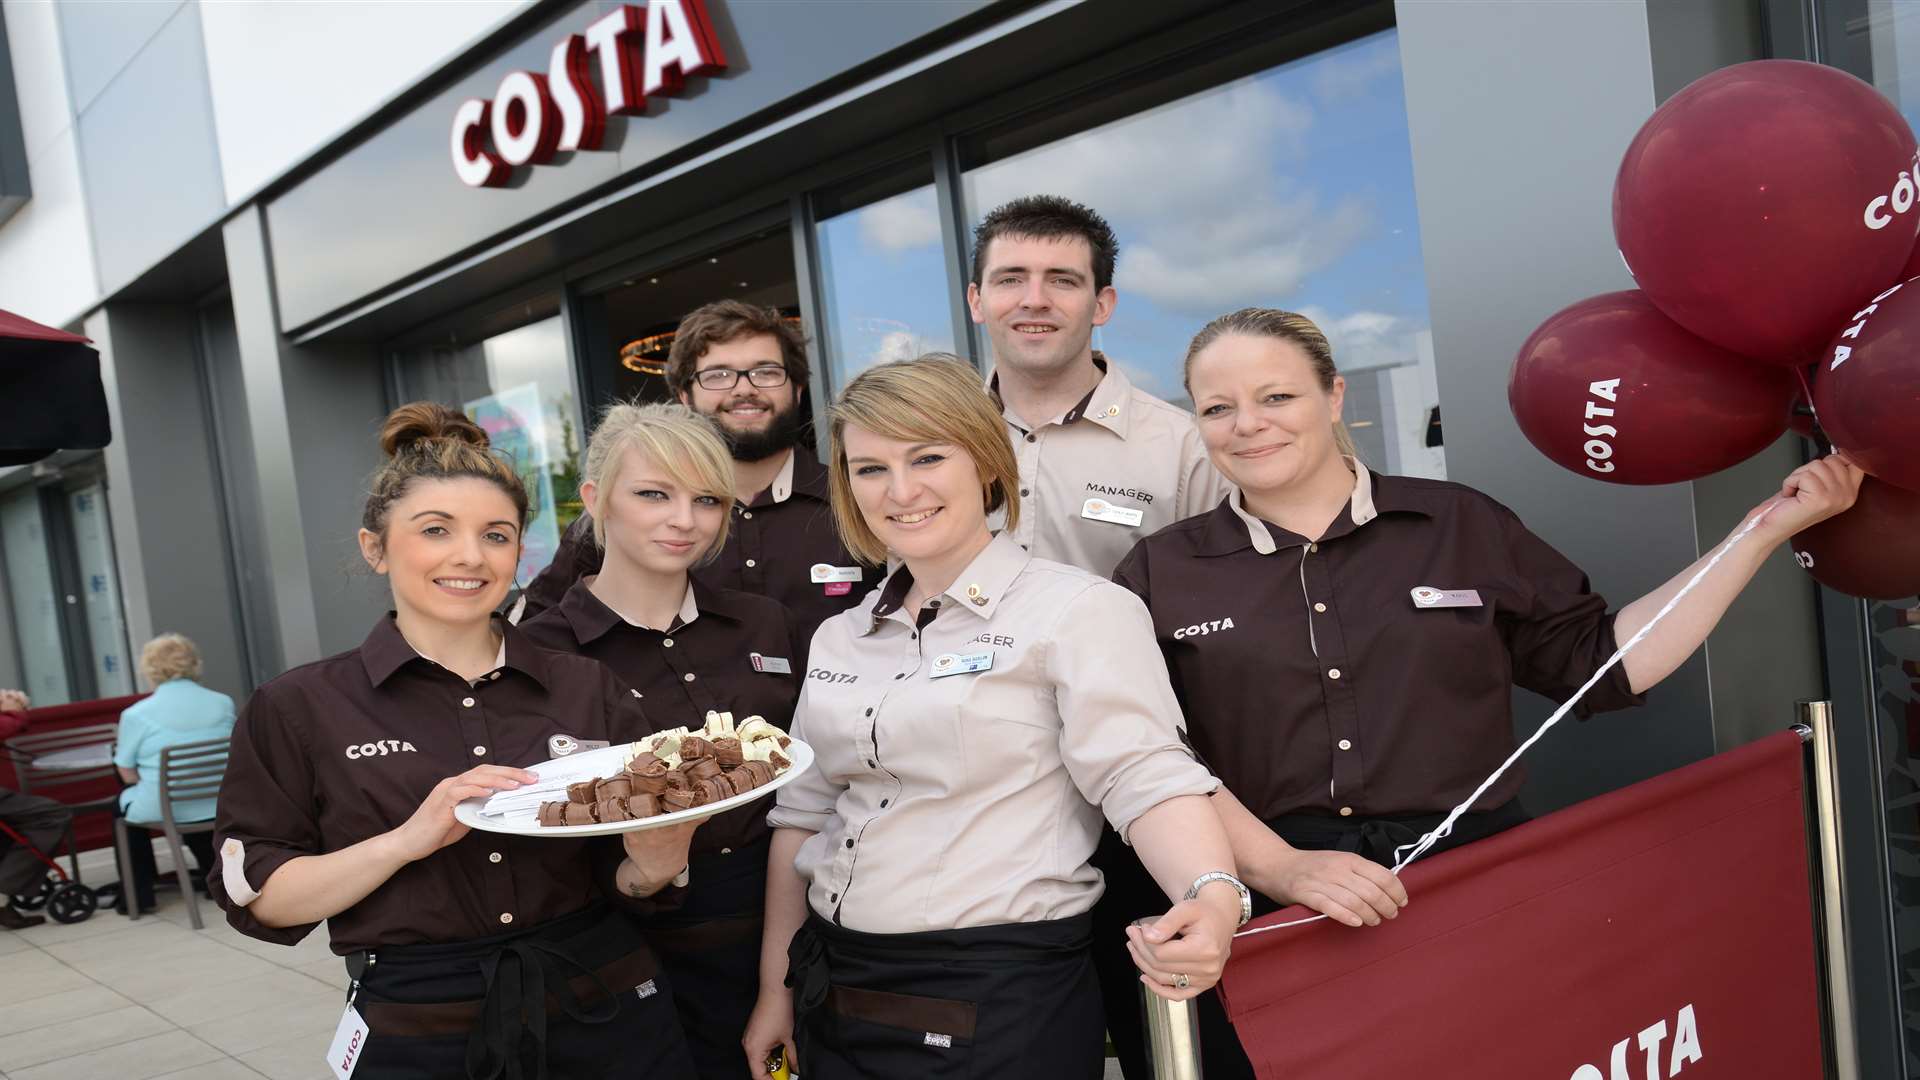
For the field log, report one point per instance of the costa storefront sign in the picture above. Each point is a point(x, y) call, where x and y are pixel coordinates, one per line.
point(638, 51)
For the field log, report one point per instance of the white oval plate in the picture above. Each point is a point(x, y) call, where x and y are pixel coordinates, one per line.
point(522, 805)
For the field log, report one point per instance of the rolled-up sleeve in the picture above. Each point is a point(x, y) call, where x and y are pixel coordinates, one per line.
point(1121, 730)
point(1561, 631)
point(807, 801)
point(266, 815)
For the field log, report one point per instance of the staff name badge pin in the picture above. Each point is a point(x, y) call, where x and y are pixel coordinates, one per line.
point(835, 580)
point(1427, 596)
point(775, 665)
point(1102, 510)
point(960, 664)
point(562, 745)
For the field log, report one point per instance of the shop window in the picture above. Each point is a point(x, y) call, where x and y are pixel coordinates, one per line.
point(64, 590)
point(883, 273)
point(1290, 188)
point(36, 599)
point(519, 386)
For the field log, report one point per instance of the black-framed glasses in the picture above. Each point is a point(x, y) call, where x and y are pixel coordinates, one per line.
point(766, 376)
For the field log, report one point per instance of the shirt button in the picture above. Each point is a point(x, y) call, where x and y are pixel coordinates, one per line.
point(726, 851)
point(668, 642)
point(1319, 607)
point(493, 857)
point(748, 514)
point(467, 702)
point(1024, 493)
point(750, 562)
point(1031, 437)
point(506, 916)
point(849, 841)
point(883, 804)
point(834, 897)
point(902, 675)
point(1313, 547)
point(1346, 811)
point(872, 764)
point(495, 675)
point(1346, 744)
point(869, 712)
point(687, 677)
point(479, 751)
point(1332, 673)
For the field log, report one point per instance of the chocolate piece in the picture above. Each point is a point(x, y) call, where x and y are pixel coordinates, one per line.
point(581, 792)
point(677, 781)
point(614, 787)
point(642, 762)
point(612, 810)
point(641, 806)
point(728, 753)
point(755, 773)
point(652, 780)
point(778, 761)
point(712, 790)
point(674, 801)
point(702, 769)
point(695, 747)
point(579, 814)
point(552, 813)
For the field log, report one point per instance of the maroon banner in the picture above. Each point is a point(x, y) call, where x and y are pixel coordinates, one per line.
point(1664, 930)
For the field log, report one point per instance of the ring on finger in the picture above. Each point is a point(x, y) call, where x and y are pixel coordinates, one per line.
point(1181, 982)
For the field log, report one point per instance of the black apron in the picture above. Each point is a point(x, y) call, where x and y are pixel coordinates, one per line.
point(1018, 1000)
point(710, 948)
point(1132, 894)
point(580, 997)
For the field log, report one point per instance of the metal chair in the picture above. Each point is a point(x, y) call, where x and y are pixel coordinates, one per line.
point(187, 771)
point(26, 750)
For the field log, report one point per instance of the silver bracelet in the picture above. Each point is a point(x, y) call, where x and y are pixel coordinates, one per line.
point(1246, 896)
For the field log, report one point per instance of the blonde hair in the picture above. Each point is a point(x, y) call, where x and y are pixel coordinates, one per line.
point(425, 440)
point(934, 398)
point(1281, 326)
point(684, 444)
point(169, 657)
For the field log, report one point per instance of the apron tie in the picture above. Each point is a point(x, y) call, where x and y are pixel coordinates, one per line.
point(808, 973)
point(515, 1007)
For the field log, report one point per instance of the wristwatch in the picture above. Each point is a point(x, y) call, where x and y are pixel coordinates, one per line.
point(1246, 897)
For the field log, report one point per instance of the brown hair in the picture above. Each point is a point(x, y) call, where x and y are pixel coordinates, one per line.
point(1049, 217)
point(1281, 326)
point(726, 321)
point(934, 398)
point(425, 440)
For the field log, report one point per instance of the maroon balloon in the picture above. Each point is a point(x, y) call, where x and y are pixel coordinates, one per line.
point(1873, 550)
point(1866, 389)
point(1762, 204)
point(1612, 389)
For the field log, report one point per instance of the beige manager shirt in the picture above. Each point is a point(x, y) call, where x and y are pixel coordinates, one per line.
point(964, 765)
point(1119, 466)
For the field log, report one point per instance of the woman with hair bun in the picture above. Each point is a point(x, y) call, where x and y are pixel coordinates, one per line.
point(472, 954)
point(659, 485)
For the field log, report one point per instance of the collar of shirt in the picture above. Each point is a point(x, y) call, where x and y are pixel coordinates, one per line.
point(801, 475)
point(1105, 404)
point(1231, 527)
point(978, 588)
point(386, 651)
point(591, 619)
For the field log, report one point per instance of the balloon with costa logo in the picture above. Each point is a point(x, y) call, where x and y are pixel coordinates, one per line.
point(1764, 201)
point(1614, 390)
point(1866, 387)
point(1873, 550)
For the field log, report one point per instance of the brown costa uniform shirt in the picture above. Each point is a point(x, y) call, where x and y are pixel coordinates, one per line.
point(1314, 682)
point(343, 749)
point(773, 545)
point(727, 651)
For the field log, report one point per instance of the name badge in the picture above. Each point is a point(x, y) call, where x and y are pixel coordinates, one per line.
point(960, 664)
point(349, 1042)
point(1102, 510)
point(777, 665)
point(562, 745)
point(823, 573)
point(837, 588)
point(1427, 596)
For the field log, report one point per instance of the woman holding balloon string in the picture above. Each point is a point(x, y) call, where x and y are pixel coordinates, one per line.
point(1344, 642)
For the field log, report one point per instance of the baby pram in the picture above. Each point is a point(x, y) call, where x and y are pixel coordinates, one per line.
point(66, 900)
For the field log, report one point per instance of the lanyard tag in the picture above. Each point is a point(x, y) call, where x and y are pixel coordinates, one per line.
point(960, 664)
point(824, 573)
point(1427, 596)
point(1102, 510)
point(349, 1041)
point(777, 665)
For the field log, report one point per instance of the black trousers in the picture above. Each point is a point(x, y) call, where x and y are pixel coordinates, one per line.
point(612, 1032)
point(142, 871)
point(43, 822)
point(1132, 894)
point(1019, 1000)
point(710, 948)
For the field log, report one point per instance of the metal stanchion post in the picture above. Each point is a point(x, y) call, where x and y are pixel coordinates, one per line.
point(1173, 1037)
point(1816, 725)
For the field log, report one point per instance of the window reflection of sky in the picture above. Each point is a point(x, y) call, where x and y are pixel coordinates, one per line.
point(1291, 188)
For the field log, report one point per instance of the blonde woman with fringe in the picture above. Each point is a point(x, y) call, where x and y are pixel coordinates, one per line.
point(974, 721)
point(659, 484)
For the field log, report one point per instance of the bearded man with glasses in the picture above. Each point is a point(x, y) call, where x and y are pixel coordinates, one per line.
point(745, 367)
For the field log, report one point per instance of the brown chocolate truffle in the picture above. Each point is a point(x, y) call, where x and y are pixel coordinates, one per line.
point(677, 781)
point(695, 747)
point(702, 769)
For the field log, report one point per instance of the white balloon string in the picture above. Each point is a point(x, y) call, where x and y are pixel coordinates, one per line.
point(1445, 828)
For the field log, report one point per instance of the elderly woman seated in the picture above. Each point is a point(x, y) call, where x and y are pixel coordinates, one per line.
point(179, 711)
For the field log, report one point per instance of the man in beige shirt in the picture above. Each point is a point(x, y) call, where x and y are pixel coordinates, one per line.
point(1102, 463)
